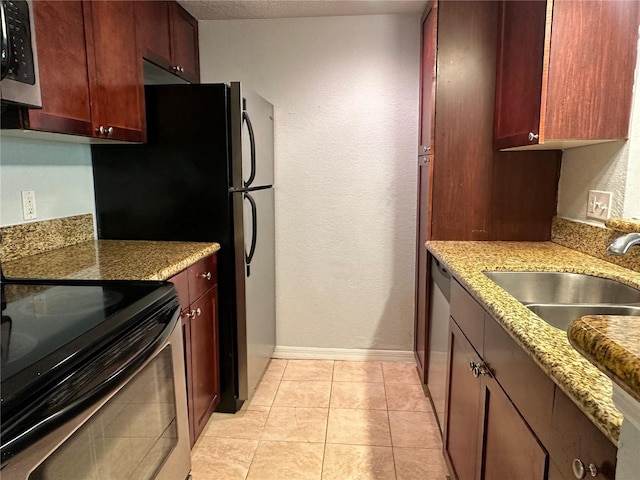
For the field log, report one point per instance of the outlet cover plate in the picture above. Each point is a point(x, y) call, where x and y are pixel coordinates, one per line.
point(599, 205)
point(29, 205)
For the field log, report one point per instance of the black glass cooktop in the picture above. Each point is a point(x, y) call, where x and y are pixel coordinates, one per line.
point(62, 343)
point(46, 325)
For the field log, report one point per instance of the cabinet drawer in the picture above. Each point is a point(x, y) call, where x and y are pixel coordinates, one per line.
point(180, 282)
point(469, 316)
point(574, 436)
point(202, 276)
point(526, 384)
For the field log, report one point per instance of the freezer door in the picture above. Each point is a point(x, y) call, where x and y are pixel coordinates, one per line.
point(251, 138)
point(255, 284)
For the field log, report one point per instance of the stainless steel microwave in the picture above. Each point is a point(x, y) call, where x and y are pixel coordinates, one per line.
point(20, 82)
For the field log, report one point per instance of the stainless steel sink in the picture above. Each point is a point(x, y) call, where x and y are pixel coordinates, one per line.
point(564, 288)
point(561, 316)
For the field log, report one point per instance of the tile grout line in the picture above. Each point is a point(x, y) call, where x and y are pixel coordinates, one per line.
point(253, 457)
point(326, 431)
point(393, 455)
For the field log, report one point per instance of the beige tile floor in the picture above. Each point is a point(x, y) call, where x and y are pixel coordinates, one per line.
point(329, 420)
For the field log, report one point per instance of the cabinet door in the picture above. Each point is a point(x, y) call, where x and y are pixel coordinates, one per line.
point(422, 270)
point(519, 72)
point(152, 32)
point(62, 60)
point(117, 91)
point(186, 342)
point(184, 44)
point(428, 82)
point(462, 406)
point(574, 436)
point(205, 378)
point(509, 448)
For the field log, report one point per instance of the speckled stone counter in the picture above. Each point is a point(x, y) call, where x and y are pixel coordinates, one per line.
point(111, 260)
point(612, 344)
point(623, 224)
point(588, 387)
point(42, 236)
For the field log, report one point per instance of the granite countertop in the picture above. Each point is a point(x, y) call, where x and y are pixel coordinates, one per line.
point(611, 343)
point(111, 260)
point(546, 345)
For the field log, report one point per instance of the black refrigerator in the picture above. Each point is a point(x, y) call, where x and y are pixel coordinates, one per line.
point(205, 175)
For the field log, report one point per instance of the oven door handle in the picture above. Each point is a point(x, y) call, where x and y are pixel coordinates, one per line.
point(46, 417)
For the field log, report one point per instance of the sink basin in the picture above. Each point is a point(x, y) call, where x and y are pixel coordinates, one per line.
point(564, 288)
point(561, 316)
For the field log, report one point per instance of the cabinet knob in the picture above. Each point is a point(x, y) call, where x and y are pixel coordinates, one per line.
point(206, 275)
point(109, 130)
point(101, 130)
point(579, 470)
point(191, 314)
point(478, 369)
point(198, 312)
point(178, 69)
point(533, 136)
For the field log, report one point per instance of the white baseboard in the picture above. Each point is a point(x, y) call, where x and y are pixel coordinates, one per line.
point(354, 354)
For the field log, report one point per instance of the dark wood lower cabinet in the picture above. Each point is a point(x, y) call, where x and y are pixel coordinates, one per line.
point(198, 294)
point(462, 406)
point(505, 418)
point(509, 448)
point(205, 380)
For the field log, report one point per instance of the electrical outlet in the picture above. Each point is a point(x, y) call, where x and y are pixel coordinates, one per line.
point(599, 205)
point(29, 205)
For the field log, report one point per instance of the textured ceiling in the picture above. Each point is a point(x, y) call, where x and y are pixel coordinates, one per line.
point(224, 10)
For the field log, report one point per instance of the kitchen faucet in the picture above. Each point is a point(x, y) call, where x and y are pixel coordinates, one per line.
point(620, 245)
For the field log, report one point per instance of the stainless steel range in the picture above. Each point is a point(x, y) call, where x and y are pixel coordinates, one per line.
point(93, 383)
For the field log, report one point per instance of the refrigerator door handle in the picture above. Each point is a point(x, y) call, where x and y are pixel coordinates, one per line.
point(254, 233)
point(252, 141)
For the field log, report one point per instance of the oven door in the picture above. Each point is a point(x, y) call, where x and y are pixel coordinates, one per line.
point(138, 431)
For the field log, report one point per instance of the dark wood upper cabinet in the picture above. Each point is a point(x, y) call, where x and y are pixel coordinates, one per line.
point(90, 73)
point(564, 72)
point(115, 79)
point(184, 43)
point(62, 60)
point(152, 32)
point(167, 35)
point(90, 61)
point(428, 82)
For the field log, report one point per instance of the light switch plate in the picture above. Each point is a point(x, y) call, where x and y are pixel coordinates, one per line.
point(599, 205)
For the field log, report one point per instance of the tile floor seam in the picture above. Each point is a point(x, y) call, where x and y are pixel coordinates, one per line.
point(326, 430)
point(393, 455)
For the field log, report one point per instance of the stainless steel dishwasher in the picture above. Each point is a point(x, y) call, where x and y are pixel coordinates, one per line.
point(439, 286)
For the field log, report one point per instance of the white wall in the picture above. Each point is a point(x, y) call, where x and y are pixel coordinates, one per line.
point(613, 167)
point(59, 173)
point(345, 91)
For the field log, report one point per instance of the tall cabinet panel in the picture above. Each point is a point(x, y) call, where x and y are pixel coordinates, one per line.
point(428, 81)
point(425, 165)
point(472, 191)
point(422, 260)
